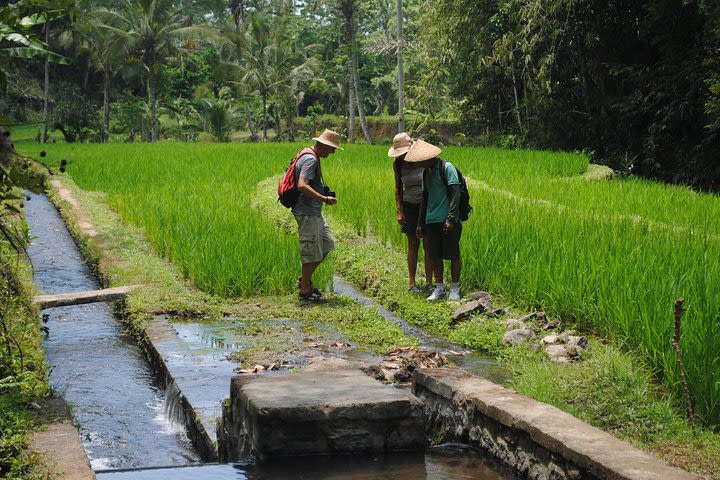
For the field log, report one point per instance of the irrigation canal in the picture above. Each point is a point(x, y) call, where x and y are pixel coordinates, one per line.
point(129, 423)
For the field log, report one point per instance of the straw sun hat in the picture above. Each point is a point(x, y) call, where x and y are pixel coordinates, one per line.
point(421, 151)
point(401, 145)
point(329, 138)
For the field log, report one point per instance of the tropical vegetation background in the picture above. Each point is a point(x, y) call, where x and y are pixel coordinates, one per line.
point(628, 83)
point(635, 83)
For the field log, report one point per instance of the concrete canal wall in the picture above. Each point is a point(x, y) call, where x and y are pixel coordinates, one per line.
point(537, 440)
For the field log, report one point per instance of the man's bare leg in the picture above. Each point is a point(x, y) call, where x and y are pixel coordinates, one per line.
point(307, 272)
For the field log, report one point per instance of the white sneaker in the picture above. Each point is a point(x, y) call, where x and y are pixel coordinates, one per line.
point(454, 294)
point(437, 294)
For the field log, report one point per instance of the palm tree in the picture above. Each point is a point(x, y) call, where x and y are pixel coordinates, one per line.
point(349, 10)
point(401, 70)
point(219, 113)
point(107, 52)
point(254, 48)
point(271, 64)
point(292, 71)
point(152, 27)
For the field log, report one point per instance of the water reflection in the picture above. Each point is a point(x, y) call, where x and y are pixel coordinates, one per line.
point(97, 369)
point(443, 463)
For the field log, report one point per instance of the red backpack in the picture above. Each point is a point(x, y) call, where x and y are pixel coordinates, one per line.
point(288, 192)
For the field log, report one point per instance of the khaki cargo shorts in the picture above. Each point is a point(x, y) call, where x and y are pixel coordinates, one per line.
point(316, 241)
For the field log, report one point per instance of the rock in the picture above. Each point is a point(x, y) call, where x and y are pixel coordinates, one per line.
point(513, 324)
point(482, 297)
point(466, 310)
point(554, 324)
point(557, 353)
point(573, 352)
point(553, 339)
point(539, 316)
point(578, 342)
point(518, 336)
point(320, 364)
point(374, 372)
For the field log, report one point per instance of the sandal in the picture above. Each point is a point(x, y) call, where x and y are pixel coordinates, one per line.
point(313, 288)
point(313, 297)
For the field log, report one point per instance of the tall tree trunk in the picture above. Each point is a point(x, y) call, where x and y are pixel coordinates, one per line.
point(265, 117)
point(86, 74)
point(250, 123)
point(153, 96)
point(401, 70)
point(499, 112)
point(526, 104)
point(290, 126)
point(351, 109)
point(46, 89)
point(517, 102)
point(356, 82)
point(106, 104)
point(350, 42)
point(361, 111)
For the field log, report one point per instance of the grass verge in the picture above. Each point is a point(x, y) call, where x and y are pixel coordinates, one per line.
point(22, 369)
point(610, 388)
point(121, 256)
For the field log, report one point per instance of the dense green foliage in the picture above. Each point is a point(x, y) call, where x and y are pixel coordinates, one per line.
point(542, 235)
point(22, 374)
point(74, 115)
point(636, 82)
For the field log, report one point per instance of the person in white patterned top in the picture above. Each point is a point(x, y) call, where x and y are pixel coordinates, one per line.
point(408, 197)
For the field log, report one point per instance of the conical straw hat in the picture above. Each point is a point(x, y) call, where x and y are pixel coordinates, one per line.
point(329, 138)
point(401, 144)
point(421, 151)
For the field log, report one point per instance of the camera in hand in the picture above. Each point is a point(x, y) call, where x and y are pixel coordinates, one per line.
point(327, 192)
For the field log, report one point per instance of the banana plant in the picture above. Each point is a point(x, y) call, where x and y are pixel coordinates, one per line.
point(17, 32)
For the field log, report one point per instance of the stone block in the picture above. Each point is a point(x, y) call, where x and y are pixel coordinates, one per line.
point(323, 412)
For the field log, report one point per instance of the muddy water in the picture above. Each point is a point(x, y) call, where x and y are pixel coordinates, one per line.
point(97, 369)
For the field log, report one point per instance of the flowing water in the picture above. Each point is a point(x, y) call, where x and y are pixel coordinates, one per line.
point(132, 429)
point(113, 396)
point(439, 463)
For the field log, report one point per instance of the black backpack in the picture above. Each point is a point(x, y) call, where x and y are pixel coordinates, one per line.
point(464, 209)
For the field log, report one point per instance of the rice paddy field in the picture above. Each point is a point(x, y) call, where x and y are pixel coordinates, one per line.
point(610, 255)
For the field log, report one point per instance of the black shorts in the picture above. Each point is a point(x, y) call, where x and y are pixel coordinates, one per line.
point(412, 213)
point(441, 245)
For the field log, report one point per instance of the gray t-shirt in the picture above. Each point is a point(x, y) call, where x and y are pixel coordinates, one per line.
point(307, 166)
point(412, 184)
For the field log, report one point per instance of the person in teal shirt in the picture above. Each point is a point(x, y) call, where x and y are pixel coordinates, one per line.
point(439, 218)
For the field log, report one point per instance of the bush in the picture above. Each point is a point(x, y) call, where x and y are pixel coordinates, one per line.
point(75, 115)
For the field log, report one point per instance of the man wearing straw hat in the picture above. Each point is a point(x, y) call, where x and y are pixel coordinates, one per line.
point(316, 241)
point(439, 219)
point(408, 197)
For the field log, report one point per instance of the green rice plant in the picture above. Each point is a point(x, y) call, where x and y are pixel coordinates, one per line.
point(612, 256)
point(193, 203)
